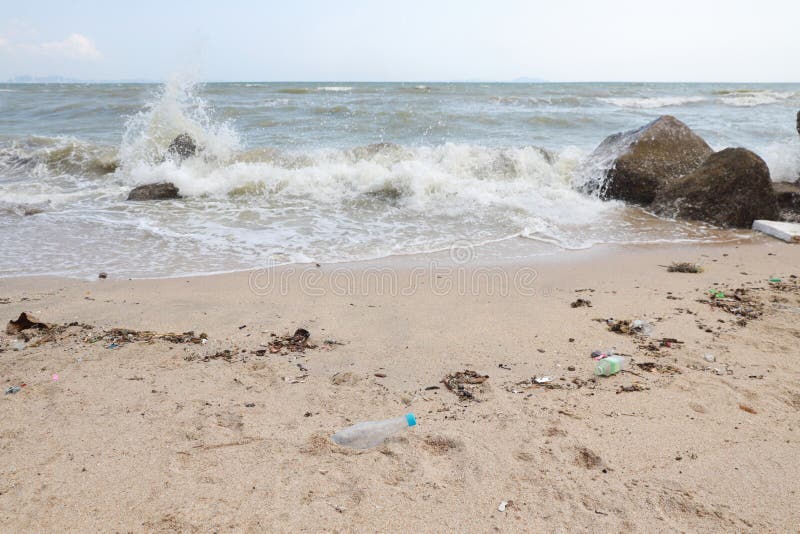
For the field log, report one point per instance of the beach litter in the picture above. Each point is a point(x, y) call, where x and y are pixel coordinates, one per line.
point(669, 341)
point(748, 409)
point(625, 326)
point(600, 354)
point(739, 302)
point(14, 389)
point(464, 383)
point(610, 365)
point(631, 388)
point(297, 342)
point(503, 505)
point(226, 354)
point(117, 336)
point(372, 433)
point(709, 358)
point(785, 231)
point(581, 302)
point(651, 367)
point(544, 382)
point(684, 267)
point(296, 379)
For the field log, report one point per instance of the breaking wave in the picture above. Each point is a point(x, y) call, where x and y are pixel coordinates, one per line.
point(754, 97)
point(653, 102)
point(335, 89)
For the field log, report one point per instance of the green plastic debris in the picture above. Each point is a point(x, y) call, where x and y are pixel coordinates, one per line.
point(775, 280)
point(717, 294)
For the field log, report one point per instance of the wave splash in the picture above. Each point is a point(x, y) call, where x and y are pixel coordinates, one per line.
point(175, 109)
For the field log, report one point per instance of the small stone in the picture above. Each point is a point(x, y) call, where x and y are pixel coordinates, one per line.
point(709, 358)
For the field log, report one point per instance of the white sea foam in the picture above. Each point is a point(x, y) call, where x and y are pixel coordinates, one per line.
point(335, 89)
point(783, 160)
point(653, 102)
point(751, 98)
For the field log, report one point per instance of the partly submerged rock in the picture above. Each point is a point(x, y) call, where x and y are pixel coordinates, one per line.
point(731, 188)
point(788, 196)
point(159, 191)
point(182, 147)
point(640, 162)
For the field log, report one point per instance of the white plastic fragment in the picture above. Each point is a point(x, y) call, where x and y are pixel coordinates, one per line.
point(785, 231)
point(502, 507)
point(709, 358)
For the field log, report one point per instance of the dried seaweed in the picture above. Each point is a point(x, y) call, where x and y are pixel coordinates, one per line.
point(464, 383)
point(297, 342)
point(684, 267)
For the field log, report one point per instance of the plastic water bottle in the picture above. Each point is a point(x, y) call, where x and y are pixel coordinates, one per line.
point(372, 433)
point(610, 365)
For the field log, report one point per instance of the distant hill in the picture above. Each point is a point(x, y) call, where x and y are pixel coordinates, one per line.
point(64, 79)
point(43, 79)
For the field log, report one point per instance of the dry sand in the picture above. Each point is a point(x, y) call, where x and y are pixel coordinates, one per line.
point(156, 436)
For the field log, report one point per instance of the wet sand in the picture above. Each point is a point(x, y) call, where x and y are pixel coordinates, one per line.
point(164, 436)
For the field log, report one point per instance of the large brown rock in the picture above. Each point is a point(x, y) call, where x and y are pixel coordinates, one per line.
point(731, 188)
point(643, 161)
point(159, 191)
point(798, 122)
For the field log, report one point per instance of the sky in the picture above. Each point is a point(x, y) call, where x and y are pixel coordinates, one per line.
point(409, 40)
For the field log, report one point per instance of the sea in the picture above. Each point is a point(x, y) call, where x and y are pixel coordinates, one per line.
point(340, 172)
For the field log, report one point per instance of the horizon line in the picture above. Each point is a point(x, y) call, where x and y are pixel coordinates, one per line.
point(43, 80)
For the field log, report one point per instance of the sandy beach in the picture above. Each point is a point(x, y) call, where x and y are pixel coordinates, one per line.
point(146, 433)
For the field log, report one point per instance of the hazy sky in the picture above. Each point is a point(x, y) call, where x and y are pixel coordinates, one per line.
point(353, 40)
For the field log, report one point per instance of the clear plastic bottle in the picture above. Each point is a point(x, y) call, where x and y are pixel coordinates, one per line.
point(372, 433)
point(610, 365)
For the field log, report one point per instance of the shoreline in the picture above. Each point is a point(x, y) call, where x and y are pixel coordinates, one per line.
point(489, 253)
point(226, 434)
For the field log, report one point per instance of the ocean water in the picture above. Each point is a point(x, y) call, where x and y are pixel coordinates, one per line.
point(299, 172)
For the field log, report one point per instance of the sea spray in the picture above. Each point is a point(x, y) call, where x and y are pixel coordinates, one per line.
point(175, 108)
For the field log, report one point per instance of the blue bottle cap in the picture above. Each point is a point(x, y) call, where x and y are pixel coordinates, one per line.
point(410, 419)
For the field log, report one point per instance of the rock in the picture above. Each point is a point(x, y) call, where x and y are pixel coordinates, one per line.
point(731, 188)
point(183, 147)
point(788, 196)
point(646, 159)
point(798, 122)
point(159, 191)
